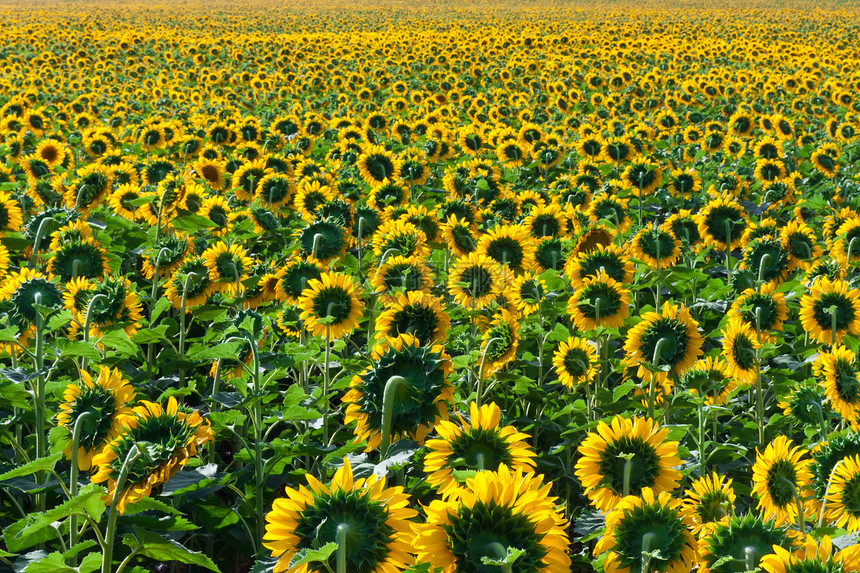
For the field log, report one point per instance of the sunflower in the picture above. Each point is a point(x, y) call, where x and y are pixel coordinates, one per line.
point(377, 519)
point(400, 238)
point(843, 246)
point(310, 196)
point(217, 210)
point(710, 499)
point(323, 240)
point(420, 398)
point(248, 176)
point(50, 151)
point(737, 543)
point(499, 343)
point(711, 377)
point(11, 216)
point(275, 190)
point(839, 369)
point(331, 305)
point(78, 258)
point(527, 291)
point(88, 189)
point(492, 511)
point(171, 437)
point(764, 308)
point(607, 259)
point(642, 175)
point(605, 452)
point(125, 201)
point(475, 280)
point(739, 349)
point(228, 266)
point(813, 557)
point(458, 234)
point(546, 221)
point(191, 280)
point(830, 310)
point(647, 533)
point(678, 332)
point(478, 445)
point(111, 303)
point(656, 247)
point(166, 255)
point(212, 170)
point(512, 154)
point(576, 362)
point(599, 301)
point(806, 404)
point(107, 400)
point(376, 165)
point(722, 221)
point(407, 273)
point(417, 313)
point(780, 478)
point(611, 208)
point(843, 494)
point(25, 289)
point(294, 277)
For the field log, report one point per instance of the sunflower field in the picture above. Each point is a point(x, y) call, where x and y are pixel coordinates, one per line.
point(492, 286)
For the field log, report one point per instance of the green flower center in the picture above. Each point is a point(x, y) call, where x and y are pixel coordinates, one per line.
point(332, 301)
point(418, 320)
point(507, 251)
point(481, 449)
point(24, 298)
point(474, 531)
point(844, 311)
point(644, 465)
point(97, 401)
point(156, 439)
point(661, 525)
point(782, 483)
point(673, 351)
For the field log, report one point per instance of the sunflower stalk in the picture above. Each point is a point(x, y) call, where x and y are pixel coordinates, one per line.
point(833, 311)
point(340, 537)
point(110, 532)
point(40, 232)
point(150, 349)
point(388, 396)
point(655, 363)
point(727, 225)
point(39, 396)
point(182, 331)
point(480, 382)
point(759, 391)
point(88, 320)
point(625, 483)
point(84, 418)
point(827, 492)
point(647, 541)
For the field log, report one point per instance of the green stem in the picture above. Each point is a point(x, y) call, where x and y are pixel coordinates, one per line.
point(110, 532)
point(340, 536)
point(388, 396)
point(759, 391)
point(655, 362)
point(626, 482)
point(73, 479)
point(480, 384)
point(326, 380)
point(40, 399)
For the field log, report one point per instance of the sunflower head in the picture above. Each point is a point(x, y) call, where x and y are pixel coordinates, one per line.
point(738, 543)
point(781, 477)
point(26, 290)
point(376, 520)
point(331, 305)
point(418, 377)
point(669, 339)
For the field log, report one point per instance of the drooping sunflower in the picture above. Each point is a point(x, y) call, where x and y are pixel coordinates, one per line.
point(400, 238)
point(323, 239)
point(78, 259)
point(499, 342)
point(764, 308)
point(406, 273)
point(191, 281)
point(839, 368)
point(248, 176)
point(599, 301)
point(495, 510)
point(813, 557)
point(766, 259)
point(172, 437)
point(474, 281)
point(576, 362)
point(417, 313)
point(332, 295)
point(709, 499)
point(376, 165)
point(421, 395)
point(527, 292)
point(601, 469)
point(228, 266)
point(655, 247)
point(649, 527)
point(294, 277)
point(478, 444)
point(712, 378)
point(738, 543)
point(673, 332)
point(166, 255)
point(377, 518)
point(459, 235)
point(722, 221)
point(739, 349)
point(781, 476)
point(685, 227)
point(609, 259)
point(107, 399)
point(26, 288)
point(830, 310)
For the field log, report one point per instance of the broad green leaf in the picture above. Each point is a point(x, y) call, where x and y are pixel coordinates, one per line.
point(622, 390)
point(160, 548)
point(150, 504)
point(118, 340)
point(80, 348)
point(311, 555)
point(35, 466)
point(160, 306)
point(224, 350)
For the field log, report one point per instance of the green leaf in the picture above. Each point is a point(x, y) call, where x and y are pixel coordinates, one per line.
point(160, 548)
point(75, 550)
point(8, 334)
point(160, 306)
point(223, 350)
point(35, 466)
point(51, 563)
point(149, 335)
point(511, 555)
point(192, 223)
point(80, 348)
point(622, 390)
point(150, 504)
point(118, 340)
point(310, 555)
point(88, 501)
point(559, 333)
point(92, 562)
